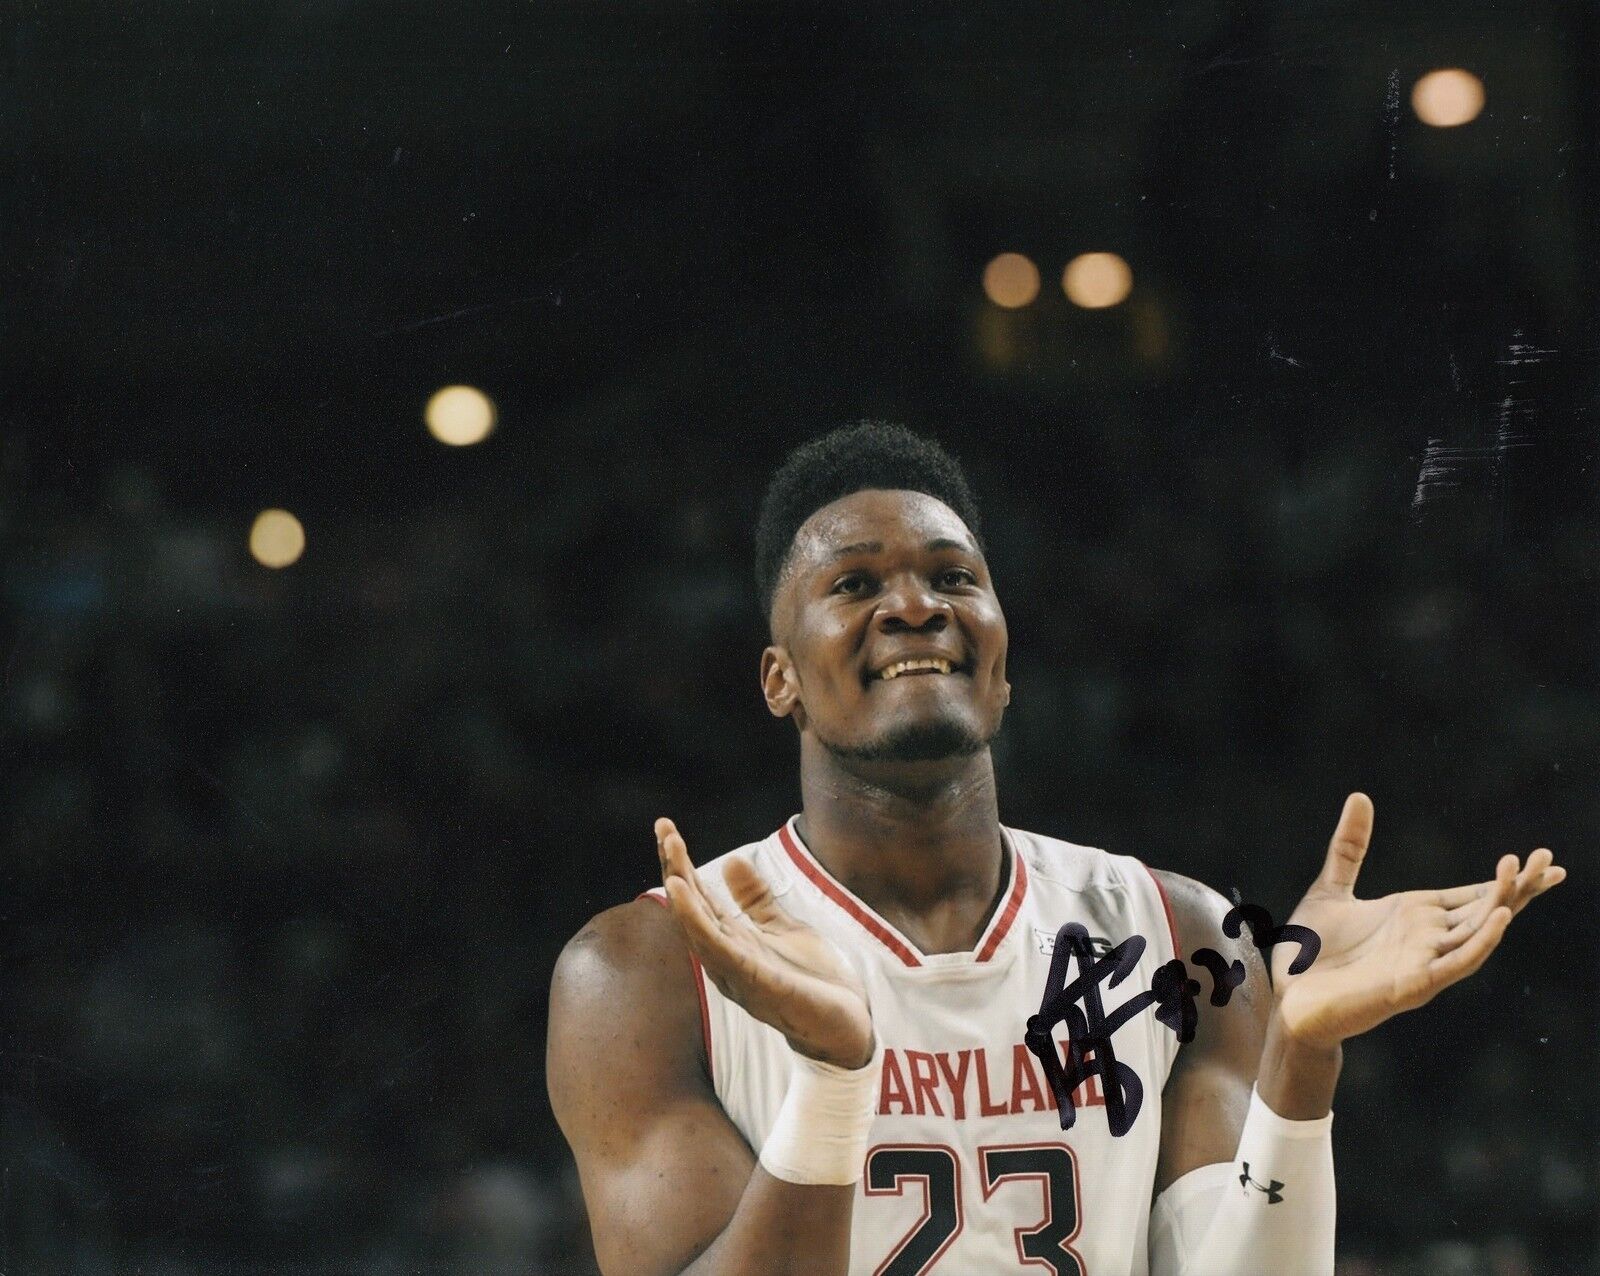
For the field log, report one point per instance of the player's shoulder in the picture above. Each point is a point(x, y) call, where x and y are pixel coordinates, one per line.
point(624, 1009)
point(1197, 910)
point(616, 949)
point(1075, 867)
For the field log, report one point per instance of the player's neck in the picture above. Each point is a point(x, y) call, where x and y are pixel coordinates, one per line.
point(927, 857)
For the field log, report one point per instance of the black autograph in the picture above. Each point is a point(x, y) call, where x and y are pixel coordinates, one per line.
point(1171, 991)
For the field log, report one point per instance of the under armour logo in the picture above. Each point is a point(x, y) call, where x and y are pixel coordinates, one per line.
point(1273, 1195)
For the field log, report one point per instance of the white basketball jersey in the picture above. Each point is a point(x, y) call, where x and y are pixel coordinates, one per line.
point(969, 1172)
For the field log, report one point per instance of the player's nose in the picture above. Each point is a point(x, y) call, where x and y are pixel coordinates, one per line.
point(908, 602)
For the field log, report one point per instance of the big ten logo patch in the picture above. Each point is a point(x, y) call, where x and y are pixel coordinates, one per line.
point(1047, 942)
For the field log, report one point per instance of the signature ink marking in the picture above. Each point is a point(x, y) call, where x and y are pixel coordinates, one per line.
point(1171, 991)
point(1089, 1028)
point(1174, 995)
point(1263, 934)
point(1225, 975)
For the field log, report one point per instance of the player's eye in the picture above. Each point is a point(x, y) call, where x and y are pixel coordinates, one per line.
point(957, 575)
point(850, 583)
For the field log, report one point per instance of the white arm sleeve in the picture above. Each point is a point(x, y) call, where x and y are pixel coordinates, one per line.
point(1271, 1209)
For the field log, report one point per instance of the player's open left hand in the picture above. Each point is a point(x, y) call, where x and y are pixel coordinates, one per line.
point(1380, 957)
point(782, 972)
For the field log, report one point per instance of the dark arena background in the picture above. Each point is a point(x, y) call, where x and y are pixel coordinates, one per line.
point(329, 717)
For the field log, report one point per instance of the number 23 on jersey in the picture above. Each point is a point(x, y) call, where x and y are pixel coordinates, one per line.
point(1052, 1167)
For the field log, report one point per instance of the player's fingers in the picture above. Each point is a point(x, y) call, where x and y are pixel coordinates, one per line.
point(1538, 875)
point(675, 862)
point(1348, 846)
point(730, 957)
point(674, 856)
point(1468, 920)
point(1473, 902)
point(1536, 864)
point(1501, 891)
point(1459, 897)
point(1463, 960)
point(668, 851)
point(736, 960)
point(1525, 890)
point(1532, 880)
point(700, 926)
point(1451, 938)
point(752, 894)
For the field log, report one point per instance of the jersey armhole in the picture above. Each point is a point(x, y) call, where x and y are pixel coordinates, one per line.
point(660, 897)
point(1166, 908)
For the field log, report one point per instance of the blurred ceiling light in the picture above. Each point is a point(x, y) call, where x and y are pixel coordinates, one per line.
point(459, 415)
point(1447, 98)
point(996, 336)
point(276, 538)
point(1096, 280)
point(1011, 281)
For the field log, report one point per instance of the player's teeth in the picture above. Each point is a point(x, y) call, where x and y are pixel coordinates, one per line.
point(895, 670)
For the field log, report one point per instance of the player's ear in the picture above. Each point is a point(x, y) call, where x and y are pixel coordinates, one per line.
point(780, 685)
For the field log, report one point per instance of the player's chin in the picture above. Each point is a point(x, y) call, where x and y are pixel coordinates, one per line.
point(931, 738)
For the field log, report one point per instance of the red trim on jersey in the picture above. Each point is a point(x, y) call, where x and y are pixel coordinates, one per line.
point(1166, 905)
point(699, 980)
point(705, 1011)
point(839, 896)
point(1008, 914)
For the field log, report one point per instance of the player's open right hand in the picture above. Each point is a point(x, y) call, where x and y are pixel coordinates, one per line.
point(782, 972)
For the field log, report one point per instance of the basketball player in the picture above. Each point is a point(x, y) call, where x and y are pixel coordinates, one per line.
point(808, 1056)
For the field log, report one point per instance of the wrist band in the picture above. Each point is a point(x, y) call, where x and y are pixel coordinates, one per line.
point(825, 1123)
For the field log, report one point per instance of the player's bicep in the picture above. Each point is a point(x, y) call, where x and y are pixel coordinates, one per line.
point(662, 1166)
point(1207, 1093)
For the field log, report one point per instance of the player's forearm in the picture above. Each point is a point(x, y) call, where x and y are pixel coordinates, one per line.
point(785, 1229)
point(1297, 1082)
point(794, 1216)
point(1271, 1209)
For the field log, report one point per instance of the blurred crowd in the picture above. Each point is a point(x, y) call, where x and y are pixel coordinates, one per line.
point(287, 856)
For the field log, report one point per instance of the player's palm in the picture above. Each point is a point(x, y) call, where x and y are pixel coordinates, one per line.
point(784, 973)
point(1380, 957)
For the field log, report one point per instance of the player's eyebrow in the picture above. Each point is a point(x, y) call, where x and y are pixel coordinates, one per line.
point(876, 547)
point(860, 547)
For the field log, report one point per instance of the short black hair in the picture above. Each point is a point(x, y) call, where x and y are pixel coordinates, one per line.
point(868, 454)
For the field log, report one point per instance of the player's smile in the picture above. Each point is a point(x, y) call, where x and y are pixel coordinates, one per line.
point(916, 666)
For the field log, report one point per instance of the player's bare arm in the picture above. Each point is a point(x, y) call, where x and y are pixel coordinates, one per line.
point(662, 1167)
point(1207, 1093)
point(672, 1186)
